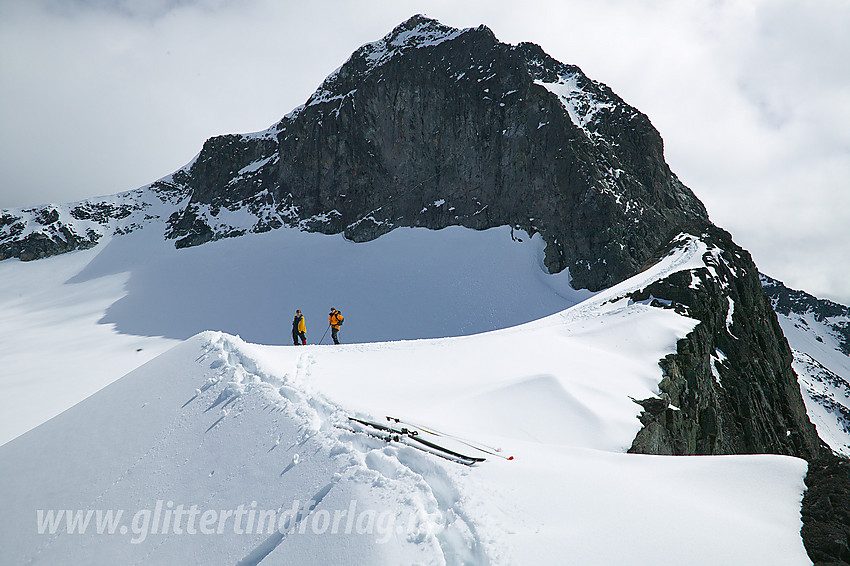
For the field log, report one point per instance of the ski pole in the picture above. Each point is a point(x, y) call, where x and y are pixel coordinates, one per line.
point(326, 333)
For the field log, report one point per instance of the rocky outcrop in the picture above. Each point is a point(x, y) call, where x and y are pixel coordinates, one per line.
point(36, 233)
point(826, 511)
point(232, 173)
point(729, 388)
point(54, 238)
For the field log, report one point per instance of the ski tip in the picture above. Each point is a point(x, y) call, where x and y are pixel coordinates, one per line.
point(510, 457)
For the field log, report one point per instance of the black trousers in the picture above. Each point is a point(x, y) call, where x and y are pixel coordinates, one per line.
point(298, 335)
point(334, 332)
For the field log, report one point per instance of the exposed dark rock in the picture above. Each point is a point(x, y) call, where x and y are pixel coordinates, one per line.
point(188, 229)
point(219, 176)
point(826, 511)
point(654, 437)
point(99, 211)
point(730, 388)
point(37, 245)
point(730, 379)
point(463, 133)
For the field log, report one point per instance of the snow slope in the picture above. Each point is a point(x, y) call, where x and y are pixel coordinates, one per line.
point(827, 398)
point(53, 351)
point(133, 296)
point(824, 375)
point(207, 445)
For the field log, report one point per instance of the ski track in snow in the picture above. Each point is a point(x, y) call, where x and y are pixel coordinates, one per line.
point(399, 467)
point(396, 467)
point(270, 544)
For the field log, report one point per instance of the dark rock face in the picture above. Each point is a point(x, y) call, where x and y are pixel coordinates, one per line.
point(730, 388)
point(730, 380)
point(826, 511)
point(55, 238)
point(464, 132)
point(232, 172)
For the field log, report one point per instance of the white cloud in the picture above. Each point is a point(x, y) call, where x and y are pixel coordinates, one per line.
point(751, 97)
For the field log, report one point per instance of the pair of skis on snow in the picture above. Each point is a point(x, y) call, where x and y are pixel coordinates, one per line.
point(398, 430)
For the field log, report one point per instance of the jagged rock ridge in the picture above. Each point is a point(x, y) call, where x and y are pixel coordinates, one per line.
point(731, 380)
point(731, 387)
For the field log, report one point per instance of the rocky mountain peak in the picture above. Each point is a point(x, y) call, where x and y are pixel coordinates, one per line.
point(795, 305)
point(429, 126)
point(433, 126)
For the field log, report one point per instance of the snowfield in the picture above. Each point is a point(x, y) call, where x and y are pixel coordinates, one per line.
point(220, 450)
point(76, 322)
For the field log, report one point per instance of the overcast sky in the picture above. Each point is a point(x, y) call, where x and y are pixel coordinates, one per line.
point(752, 97)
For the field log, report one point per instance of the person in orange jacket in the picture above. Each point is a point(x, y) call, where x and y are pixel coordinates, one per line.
point(335, 319)
point(299, 328)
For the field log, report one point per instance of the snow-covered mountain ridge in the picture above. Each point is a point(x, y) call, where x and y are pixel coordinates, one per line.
point(249, 453)
point(611, 343)
point(137, 292)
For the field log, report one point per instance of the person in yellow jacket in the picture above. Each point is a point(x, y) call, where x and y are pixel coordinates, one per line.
point(335, 319)
point(299, 329)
